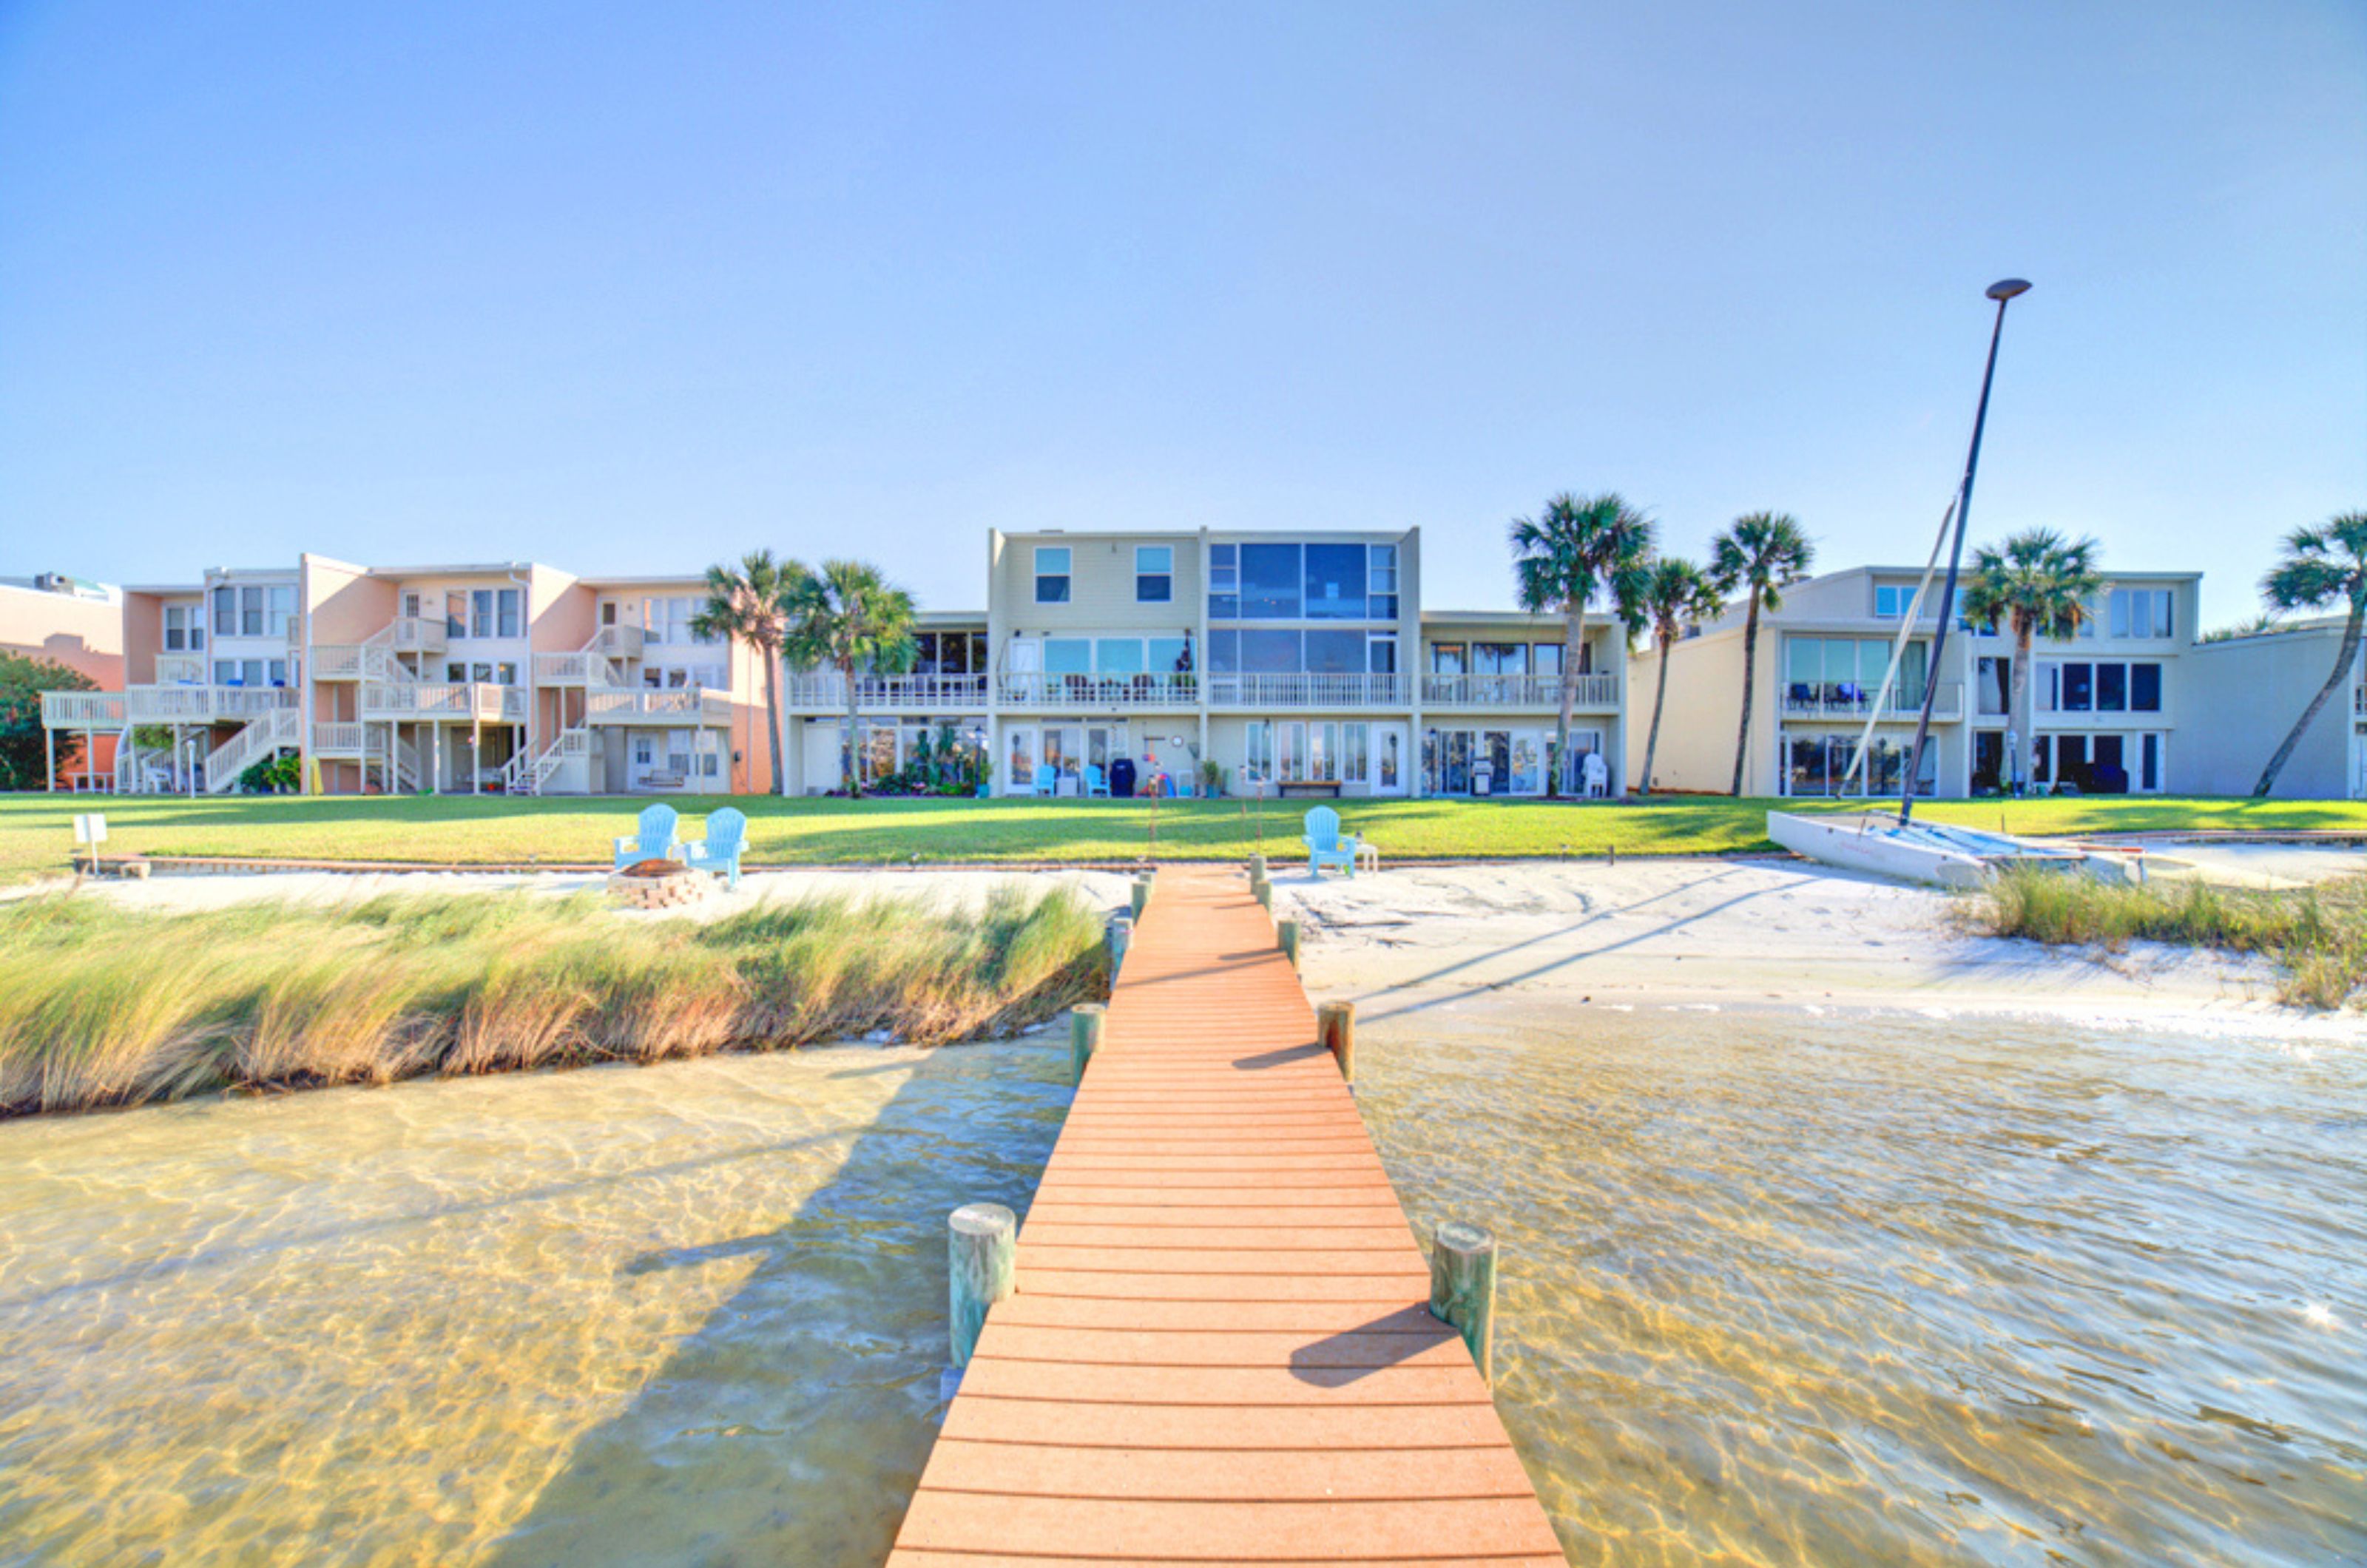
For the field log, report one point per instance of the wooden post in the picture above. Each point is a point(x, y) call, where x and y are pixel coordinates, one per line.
point(1335, 1025)
point(1141, 894)
point(983, 1258)
point(1085, 1024)
point(1119, 933)
point(1263, 891)
point(1257, 867)
point(1286, 933)
point(1463, 1289)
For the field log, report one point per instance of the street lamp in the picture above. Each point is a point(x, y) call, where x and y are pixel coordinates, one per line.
point(2002, 290)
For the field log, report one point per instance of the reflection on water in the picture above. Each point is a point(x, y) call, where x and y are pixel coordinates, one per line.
point(684, 1313)
point(1817, 1290)
point(1777, 1290)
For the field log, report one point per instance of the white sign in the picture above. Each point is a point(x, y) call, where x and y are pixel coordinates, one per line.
point(90, 828)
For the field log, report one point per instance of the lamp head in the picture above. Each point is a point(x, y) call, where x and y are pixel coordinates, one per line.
point(2006, 288)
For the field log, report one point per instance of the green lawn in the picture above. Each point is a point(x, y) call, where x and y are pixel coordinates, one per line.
point(36, 835)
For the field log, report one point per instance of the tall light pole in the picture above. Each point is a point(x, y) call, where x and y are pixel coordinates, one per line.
point(2000, 291)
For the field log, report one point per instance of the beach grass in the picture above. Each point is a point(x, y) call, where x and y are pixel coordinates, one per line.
point(103, 1007)
point(2318, 936)
point(36, 835)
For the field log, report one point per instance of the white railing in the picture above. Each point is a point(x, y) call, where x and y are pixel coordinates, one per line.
point(180, 669)
point(1516, 690)
point(1852, 702)
point(1309, 691)
point(338, 738)
point(1167, 689)
point(202, 704)
point(232, 757)
point(409, 634)
point(136, 765)
point(616, 642)
point(826, 691)
point(563, 669)
point(686, 705)
point(339, 661)
point(83, 710)
point(443, 700)
point(529, 775)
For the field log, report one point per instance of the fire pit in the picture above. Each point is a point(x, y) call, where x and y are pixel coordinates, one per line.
point(658, 884)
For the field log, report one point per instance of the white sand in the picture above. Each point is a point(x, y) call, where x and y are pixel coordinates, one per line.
point(1727, 933)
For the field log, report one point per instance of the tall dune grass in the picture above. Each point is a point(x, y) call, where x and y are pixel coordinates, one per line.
point(2318, 936)
point(102, 1006)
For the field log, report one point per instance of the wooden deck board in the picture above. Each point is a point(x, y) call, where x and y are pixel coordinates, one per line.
point(1219, 1351)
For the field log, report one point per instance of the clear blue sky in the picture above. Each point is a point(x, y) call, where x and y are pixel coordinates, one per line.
point(627, 286)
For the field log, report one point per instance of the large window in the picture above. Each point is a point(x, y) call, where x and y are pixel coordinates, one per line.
point(1842, 671)
point(1825, 764)
point(1500, 659)
point(225, 612)
point(1052, 576)
point(1271, 585)
point(2080, 685)
point(1273, 650)
point(1449, 659)
point(185, 629)
point(1224, 582)
point(2138, 612)
point(1314, 751)
point(1154, 574)
point(1312, 580)
point(1891, 599)
point(950, 653)
point(1335, 582)
point(666, 621)
point(280, 608)
point(250, 612)
point(1381, 582)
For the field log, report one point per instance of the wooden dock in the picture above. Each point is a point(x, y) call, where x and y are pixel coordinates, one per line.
point(1220, 1348)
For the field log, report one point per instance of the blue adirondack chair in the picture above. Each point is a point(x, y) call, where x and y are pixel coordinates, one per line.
point(1324, 845)
point(1047, 779)
point(727, 834)
point(1096, 781)
point(655, 841)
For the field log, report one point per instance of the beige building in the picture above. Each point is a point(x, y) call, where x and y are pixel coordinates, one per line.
point(512, 677)
point(78, 623)
point(2255, 688)
point(2112, 713)
point(1244, 661)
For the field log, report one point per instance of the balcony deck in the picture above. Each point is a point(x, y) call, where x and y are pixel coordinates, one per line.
point(680, 708)
point(160, 704)
point(1839, 703)
point(1541, 692)
point(1031, 690)
point(446, 701)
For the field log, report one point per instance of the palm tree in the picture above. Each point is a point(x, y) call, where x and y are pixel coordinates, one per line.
point(1676, 591)
point(848, 616)
point(2040, 584)
point(1572, 550)
point(2322, 566)
point(749, 605)
point(1761, 554)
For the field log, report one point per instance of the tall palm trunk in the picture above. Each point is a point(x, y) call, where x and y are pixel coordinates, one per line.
point(772, 657)
point(1659, 699)
point(846, 744)
point(2019, 706)
point(1573, 645)
point(2345, 663)
point(1750, 687)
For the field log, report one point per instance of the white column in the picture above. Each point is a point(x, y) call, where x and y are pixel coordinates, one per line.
point(50, 755)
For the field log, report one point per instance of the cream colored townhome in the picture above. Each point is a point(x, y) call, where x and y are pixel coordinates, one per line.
point(2255, 688)
point(1264, 663)
point(2108, 704)
point(514, 677)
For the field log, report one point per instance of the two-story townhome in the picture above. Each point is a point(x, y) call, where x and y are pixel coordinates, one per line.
point(2252, 689)
point(79, 624)
point(1824, 722)
point(508, 676)
point(1248, 661)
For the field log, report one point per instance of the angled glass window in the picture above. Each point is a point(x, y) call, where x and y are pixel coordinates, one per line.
point(1334, 582)
point(1270, 582)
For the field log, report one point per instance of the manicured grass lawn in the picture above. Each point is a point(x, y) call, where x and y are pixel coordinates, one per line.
point(36, 829)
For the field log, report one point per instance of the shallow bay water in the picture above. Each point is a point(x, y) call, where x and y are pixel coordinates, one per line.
point(1885, 1288)
point(1778, 1287)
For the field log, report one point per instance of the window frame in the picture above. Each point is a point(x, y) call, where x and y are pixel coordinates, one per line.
point(1066, 577)
point(1144, 577)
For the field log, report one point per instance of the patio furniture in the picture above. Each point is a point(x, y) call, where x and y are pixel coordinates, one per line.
point(654, 840)
point(1594, 775)
point(1304, 788)
point(727, 834)
point(1368, 855)
point(1323, 845)
point(1096, 781)
point(1047, 779)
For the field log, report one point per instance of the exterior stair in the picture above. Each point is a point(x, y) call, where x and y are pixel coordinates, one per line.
point(280, 728)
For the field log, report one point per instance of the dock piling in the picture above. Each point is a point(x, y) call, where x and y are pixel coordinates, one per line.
point(1141, 894)
point(1286, 933)
point(1086, 1022)
point(1335, 1025)
point(1463, 1289)
point(982, 1254)
point(1119, 934)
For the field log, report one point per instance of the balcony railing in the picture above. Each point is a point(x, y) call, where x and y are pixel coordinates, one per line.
point(202, 704)
point(1035, 689)
point(1310, 691)
point(1852, 702)
point(683, 706)
point(338, 738)
point(411, 634)
point(180, 669)
point(826, 693)
point(617, 642)
point(563, 669)
point(340, 660)
point(1516, 690)
point(472, 700)
point(83, 710)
